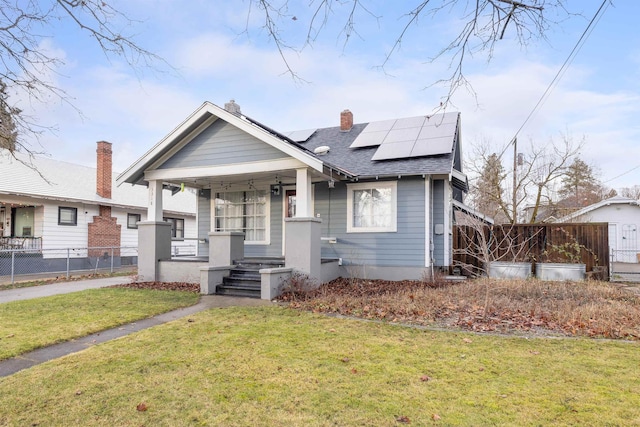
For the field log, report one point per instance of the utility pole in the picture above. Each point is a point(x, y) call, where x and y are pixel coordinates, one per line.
point(515, 168)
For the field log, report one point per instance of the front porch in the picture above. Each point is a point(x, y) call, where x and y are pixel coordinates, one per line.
point(254, 277)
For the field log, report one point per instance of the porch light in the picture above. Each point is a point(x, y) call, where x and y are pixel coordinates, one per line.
point(332, 183)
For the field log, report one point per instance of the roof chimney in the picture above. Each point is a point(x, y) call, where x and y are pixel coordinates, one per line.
point(232, 107)
point(346, 121)
point(104, 174)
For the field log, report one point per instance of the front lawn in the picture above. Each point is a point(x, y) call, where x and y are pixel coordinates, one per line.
point(30, 324)
point(277, 366)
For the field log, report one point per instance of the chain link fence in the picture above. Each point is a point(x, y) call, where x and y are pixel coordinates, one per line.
point(32, 264)
point(625, 265)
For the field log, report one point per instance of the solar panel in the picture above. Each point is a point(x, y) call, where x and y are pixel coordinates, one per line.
point(409, 137)
point(378, 126)
point(445, 129)
point(369, 139)
point(409, 122)
point(432, 146)
point(394, 150)
point(300, 135)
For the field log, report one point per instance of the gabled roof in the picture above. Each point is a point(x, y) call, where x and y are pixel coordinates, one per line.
point(76, 183)
point(353, 162)
point(205, 115)
point(616, 200)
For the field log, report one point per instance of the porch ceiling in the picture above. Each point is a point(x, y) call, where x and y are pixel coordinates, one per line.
point(257, 179)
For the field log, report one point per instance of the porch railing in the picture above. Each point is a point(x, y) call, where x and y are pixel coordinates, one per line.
point(28, 243)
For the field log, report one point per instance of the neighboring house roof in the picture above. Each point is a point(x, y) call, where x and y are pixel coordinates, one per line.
point(76, 183)
point(352, 162)
point(616, 200)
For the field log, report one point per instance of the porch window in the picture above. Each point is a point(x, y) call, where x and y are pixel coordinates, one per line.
point(177, 227)
point(371, 207)
point(67, 216)
point(245, 211)
point(133, 220)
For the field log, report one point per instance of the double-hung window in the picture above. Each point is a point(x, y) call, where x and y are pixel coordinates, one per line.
point(371, 207)
point(245, 211)
point(177, 227)
point(67, 216)
point(133, 220)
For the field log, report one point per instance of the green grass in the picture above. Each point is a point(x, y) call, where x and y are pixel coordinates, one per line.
point(274, 366)
point(30, 324)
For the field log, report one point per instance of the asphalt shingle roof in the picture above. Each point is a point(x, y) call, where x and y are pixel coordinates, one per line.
point(358, 160)
point(73, 182)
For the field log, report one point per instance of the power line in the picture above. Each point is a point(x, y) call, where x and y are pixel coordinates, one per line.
point(622, 174)
point(583, 38)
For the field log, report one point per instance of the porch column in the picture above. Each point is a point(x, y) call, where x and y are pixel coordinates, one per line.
point(154, 208)
point(303, 193)
point(302, 246)
point(225, 247)
point(154, 244)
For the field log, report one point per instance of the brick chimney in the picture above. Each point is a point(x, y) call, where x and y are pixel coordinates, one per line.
point(346, 121)
point(104, 173)
point(232, 107)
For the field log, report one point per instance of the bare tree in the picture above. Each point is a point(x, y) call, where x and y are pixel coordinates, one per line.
point(537, 171)
point(26, 65)
point(481, 24)
point(631, 192)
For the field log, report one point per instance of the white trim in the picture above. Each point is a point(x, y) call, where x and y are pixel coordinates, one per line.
point(427, 221)
point(393, 185)
point(245, 168)
point(447, 223)
point(267, 226)
point(304, 206)
point(283, 195)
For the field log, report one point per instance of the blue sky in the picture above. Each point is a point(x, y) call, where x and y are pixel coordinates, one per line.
point(215, 60)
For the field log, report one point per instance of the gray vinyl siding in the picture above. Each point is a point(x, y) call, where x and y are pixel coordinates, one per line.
point(438, 218)
point(204, 221)
point(222, 144)
point(405, 247)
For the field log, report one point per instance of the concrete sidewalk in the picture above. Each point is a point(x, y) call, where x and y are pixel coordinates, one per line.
point(60, 288)
point(27, 360)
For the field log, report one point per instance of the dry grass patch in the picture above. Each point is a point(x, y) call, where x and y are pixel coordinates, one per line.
point(591, 308)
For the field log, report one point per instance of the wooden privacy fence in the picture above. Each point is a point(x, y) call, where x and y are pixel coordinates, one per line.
point(585, 243)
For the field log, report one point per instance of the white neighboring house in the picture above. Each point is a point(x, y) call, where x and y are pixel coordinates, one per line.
point(68, 205)
point(623, 216)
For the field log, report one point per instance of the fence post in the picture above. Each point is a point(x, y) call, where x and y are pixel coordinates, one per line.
point(112, 260)
point(68, 255)
point(13, 259)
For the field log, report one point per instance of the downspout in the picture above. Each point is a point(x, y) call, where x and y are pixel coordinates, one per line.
point(431, 245)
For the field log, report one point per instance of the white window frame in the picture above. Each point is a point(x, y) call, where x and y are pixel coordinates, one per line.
point(393, 227)
point(267, 207)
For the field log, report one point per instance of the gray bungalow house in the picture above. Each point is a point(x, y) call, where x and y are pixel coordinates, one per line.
point(370, 200)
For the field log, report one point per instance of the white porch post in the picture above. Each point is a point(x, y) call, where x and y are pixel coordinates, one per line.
point(154, 208)
point(302, 235)
point(303, 193)
point(154, 236)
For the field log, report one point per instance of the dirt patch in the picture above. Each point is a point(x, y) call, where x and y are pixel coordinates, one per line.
point(162, 286)
point(530, 307)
